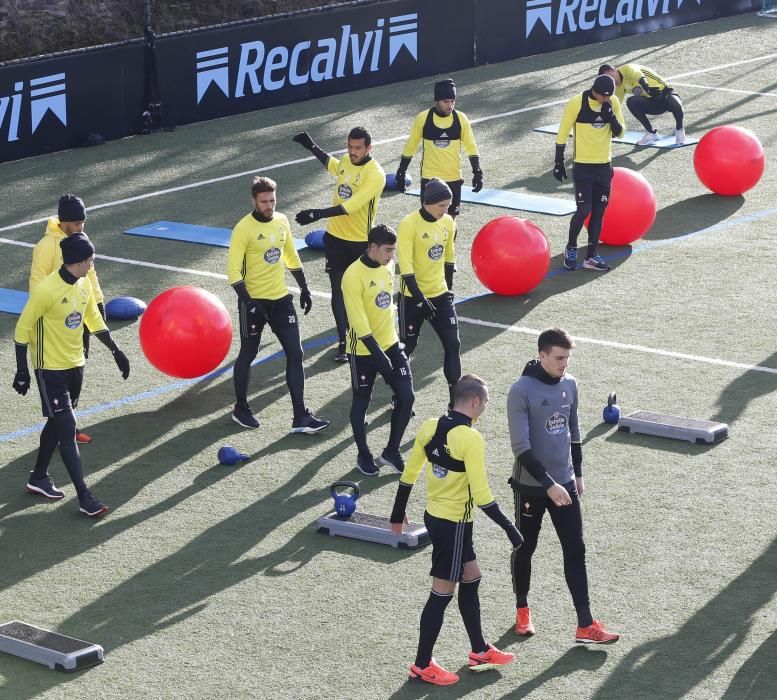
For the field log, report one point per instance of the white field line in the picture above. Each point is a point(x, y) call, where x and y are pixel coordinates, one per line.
point(275, 166)
point(627, 346)
point(722, 89)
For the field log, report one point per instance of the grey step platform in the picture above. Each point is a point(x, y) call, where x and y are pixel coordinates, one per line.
point(373, 528)
point(49, 648)
point(703, 432)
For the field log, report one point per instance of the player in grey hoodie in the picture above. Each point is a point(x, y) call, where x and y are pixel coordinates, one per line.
point(547, 476)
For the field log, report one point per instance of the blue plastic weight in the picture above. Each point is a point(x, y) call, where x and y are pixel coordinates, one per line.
point(345, 503)
point(229, 455)
point(124, 308)
point(391, 181)
point(612, 411)
point(315, 239)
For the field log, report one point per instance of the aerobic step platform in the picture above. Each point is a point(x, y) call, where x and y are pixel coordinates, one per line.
point(702, 432)
point(373, 528)
point(49, 648)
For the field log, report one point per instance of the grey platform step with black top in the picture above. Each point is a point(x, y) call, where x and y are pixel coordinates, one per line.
point(702, 432)
point(373, 528)
point(56, 651)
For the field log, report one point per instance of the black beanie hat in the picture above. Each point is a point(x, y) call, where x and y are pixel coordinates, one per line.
point(444, 90)
point(71, 208)
point(76, 248)
point(436, 191)
point(604, 85)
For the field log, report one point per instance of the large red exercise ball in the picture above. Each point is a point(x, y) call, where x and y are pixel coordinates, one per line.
point(510, 255)
point(185, 332)
point(729, 160)
point(631, 210)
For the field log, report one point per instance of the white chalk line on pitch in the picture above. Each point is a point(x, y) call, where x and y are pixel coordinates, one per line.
point(627, 346)
point(723, 89)
point(296, 161)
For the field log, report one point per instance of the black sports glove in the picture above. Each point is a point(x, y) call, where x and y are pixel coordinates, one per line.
point(427, 308)
point(21, 381)
point(400, 181)
point(304, 140)
point(606, 112)
point(516, 538)
point(87, 337)
point(305, 300)
point(121, 362)
point(450, 268)
point(654, 91)
point(382, 361)
point(559, 171)
point(477, 180)
point(309, 216)
point(101, 309)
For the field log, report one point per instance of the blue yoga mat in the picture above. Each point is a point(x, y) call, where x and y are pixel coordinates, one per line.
point(12, 301)
point(630, 137)
point(515, 200)
point(190, 233)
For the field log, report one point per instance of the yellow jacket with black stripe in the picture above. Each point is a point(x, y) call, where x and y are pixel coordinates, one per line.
point(52, 321)
point(451, 491)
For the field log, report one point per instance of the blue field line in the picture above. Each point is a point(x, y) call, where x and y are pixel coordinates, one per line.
point(313, 344)
point(166, 388)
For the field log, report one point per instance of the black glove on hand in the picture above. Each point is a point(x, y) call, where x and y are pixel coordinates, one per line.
point(121, 362)
point(308, 216)
point(607, 113)
point(450, 268)
point(305, 300)
point(654, 91)
point(477, 180)
point(516, 538)
point(382, 362)
point(400, 181)
point(21, 381)
point(427, 308)
point(101, 309)
point(304, 140)
point(559, 171)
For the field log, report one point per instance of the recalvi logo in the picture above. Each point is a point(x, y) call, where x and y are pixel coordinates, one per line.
point(271, 68)
point(583, 15)
point(46, 94)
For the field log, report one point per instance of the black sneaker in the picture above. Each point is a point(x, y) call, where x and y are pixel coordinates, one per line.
point(308, 423)
point(90, 506)
point(44, 487)
point(244, 416)
point(570, 258)
point(340, 354)
point(392, 458)
point(366, 465)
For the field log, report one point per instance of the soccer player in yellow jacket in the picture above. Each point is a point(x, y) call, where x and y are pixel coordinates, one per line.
point(443, 133)
point(646, 92)
point(452, 452)
point(260, 249)
point(47, 258)
point(427, 260)
point(594, 117)
point(359, 183)
point(373, 347)
point(51, 325)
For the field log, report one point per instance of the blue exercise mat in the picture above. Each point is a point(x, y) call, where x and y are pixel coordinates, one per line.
point(190, 233)
point(12, 301)
point(630, 137)
point(515, 200)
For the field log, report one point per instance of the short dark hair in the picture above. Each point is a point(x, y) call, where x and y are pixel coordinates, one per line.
point(468, 387)
point(554, 337)
point(360, 132)
point(263, 184)
point(605, 68)
point(381, 235)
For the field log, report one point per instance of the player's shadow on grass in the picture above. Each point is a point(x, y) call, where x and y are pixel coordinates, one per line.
point(692, 214)
point(757, 677)
point(673, 665)
point(737, 395)
point(160, 595)
point(661, 444)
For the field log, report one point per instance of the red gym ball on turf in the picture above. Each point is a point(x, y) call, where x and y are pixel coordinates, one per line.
point(631, 210)
point(185, 332)
point(729, 160)
point(510, 255)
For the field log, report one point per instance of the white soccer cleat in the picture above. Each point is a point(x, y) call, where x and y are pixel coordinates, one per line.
point(649, 138)
point(679, 137)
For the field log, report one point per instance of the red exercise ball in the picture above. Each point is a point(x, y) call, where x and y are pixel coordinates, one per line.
point(510, 255)
point(631, 210)
point(729, 160)
point(185, 332)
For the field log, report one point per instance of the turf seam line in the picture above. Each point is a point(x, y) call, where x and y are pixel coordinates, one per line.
point(223, 178)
